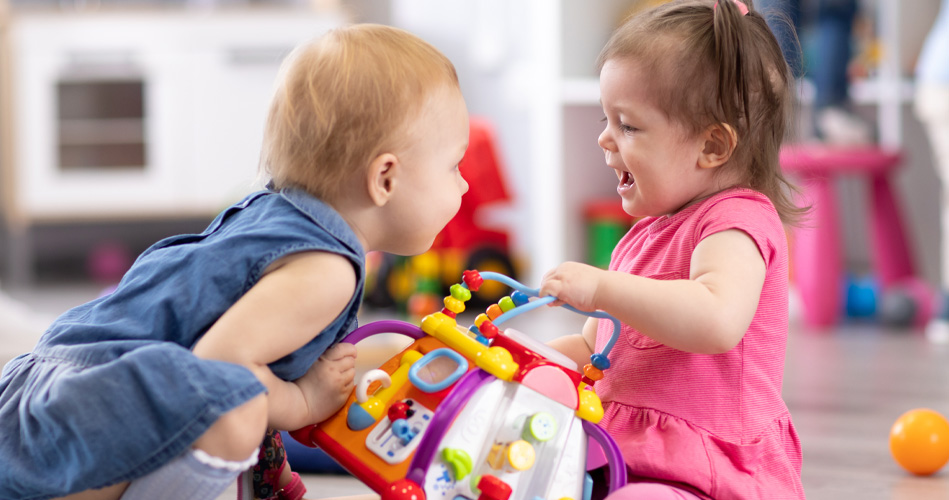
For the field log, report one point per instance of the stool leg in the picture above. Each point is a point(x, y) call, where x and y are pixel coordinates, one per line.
point(891, 257)
point(816, 254)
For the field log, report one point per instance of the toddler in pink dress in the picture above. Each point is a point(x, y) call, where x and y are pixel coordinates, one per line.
point(696, 98)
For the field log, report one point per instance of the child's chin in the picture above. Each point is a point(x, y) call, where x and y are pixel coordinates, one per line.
point(420, 249)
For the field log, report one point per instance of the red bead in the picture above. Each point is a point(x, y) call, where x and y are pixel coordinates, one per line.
point(449, 313)
point(473, 279)
point(488, 329)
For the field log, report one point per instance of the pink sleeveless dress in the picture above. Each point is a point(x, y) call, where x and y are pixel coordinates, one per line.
point(716, 423)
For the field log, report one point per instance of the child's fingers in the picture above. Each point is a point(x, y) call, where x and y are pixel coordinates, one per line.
point(550, 286)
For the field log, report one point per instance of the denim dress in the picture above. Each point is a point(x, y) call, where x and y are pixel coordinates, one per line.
point(112, 391)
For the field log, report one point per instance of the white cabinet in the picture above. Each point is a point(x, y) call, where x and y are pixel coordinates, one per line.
point(124, 115)
point(156, 113)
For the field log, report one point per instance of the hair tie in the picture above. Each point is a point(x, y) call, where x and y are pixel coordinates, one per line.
point(738, 3)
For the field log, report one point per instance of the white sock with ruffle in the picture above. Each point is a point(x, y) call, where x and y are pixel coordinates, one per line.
point(194, 475)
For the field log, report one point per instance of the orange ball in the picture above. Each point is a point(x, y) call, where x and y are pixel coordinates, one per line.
point(919, 441)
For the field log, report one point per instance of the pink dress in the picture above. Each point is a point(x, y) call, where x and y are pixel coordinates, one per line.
point(716, 423)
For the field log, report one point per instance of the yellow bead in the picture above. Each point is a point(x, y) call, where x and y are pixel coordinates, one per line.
point(506, 304)
point(494, 311)
point(454, 305)
point(481, 319)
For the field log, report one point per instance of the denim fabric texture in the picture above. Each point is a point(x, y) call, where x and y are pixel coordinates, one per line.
point(112, 391)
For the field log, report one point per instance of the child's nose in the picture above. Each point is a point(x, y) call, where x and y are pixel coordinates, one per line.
point(605, 141)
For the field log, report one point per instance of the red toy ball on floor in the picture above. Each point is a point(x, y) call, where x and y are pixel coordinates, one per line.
point(919, 441)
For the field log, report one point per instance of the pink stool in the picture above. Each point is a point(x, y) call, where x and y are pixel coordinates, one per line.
point(816, 251)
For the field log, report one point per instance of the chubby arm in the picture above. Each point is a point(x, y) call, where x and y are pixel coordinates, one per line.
point(296, 299)
point(579, 346)
point(707, 313)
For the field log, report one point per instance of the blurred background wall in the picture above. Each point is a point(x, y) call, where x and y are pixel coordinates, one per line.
point(82, 179)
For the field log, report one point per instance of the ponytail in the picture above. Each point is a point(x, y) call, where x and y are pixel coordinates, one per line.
point(728, 31)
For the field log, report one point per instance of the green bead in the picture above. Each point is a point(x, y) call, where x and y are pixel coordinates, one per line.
point(506, 304)
point(461, 293)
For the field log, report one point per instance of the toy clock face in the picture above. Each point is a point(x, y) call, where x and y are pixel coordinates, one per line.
point(533, 444)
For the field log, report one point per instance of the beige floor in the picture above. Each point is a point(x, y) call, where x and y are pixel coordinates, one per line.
point(845, 388)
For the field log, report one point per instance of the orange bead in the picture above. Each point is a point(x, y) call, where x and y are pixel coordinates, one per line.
point(494, 311)
point(591, 372)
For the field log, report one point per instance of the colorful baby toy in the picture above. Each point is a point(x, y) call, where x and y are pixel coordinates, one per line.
point(473, 413)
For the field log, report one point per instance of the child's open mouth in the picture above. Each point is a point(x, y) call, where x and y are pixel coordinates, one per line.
point(626, 181)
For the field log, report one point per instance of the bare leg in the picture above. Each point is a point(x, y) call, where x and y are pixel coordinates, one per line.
point(233, 437)
point(237, 433)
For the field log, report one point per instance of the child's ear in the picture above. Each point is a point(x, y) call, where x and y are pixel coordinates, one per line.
point(381, 178)
point(720, 142)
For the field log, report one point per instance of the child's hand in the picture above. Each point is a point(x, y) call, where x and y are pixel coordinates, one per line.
point(573, 283)
point(328, 383)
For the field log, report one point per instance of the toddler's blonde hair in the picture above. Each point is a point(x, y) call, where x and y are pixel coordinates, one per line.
point(345, 98)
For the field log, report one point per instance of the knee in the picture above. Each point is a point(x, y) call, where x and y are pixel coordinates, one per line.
point(238, 433)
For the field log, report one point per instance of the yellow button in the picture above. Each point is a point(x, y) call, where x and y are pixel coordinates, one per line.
point(520, 455)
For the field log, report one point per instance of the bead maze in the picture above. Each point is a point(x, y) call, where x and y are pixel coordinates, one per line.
point(476, 413)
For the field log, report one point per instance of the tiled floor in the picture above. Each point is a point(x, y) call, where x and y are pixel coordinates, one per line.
point(845, 388)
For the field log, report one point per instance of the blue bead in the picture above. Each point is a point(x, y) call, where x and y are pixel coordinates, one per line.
point(600, 361)
point(519, 298)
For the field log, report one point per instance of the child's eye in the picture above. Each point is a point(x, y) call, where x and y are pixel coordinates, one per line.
point(627, 129)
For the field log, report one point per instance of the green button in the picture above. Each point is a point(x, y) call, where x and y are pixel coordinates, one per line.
point(540, 426)
point(459, 461)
